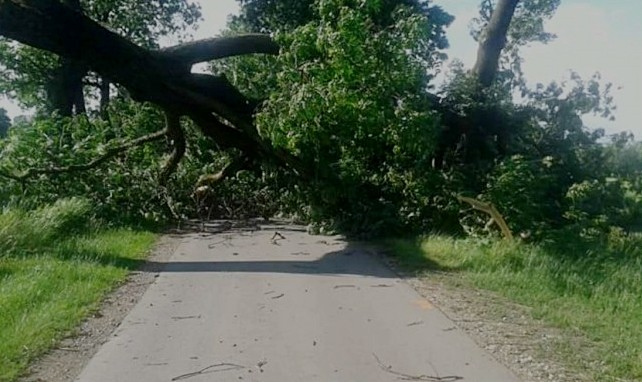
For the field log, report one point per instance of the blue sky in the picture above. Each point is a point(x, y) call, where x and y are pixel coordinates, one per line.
point(593, 36)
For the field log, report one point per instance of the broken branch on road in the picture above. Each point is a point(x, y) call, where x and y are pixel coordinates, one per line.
point(225, 366)
point(408, 377)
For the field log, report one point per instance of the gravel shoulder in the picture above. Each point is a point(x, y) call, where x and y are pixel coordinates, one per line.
point(505, 330)
point(508, 331)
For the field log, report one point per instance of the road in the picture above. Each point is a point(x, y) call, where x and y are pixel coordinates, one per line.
point(256, 306)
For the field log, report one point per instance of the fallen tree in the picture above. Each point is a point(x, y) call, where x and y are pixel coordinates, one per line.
point(162, 77)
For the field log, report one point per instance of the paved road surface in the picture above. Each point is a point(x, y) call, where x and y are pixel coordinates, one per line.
point(242, 307)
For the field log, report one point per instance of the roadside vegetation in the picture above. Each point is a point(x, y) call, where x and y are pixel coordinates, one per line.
point(588, 291)
point(346, 129)
point(56, 265)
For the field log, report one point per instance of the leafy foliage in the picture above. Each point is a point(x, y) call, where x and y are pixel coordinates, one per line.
point(357, 113)
point(349, 95)
point(125, 188)
point(556, 161)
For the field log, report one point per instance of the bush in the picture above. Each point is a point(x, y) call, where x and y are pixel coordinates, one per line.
point(525, 191)
point(597, 207)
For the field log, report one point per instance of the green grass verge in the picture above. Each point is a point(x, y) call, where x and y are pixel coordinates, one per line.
point(46, 291)
point(597, 295)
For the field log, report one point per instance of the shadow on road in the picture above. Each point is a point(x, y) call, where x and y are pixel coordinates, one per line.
point(349, 261)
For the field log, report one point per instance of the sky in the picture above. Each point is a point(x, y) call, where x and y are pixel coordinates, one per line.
point(592, 36)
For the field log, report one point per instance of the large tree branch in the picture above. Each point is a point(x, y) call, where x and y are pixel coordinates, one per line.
point(219, 87)
point(216, 48)
point(112, 152)
point(161, 78)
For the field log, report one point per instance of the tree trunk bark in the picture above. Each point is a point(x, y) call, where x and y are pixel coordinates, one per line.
point(105, 96)
point(493, 42)
point(65, 92)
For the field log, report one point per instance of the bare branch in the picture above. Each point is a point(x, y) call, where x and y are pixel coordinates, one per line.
point(177, 140)
point(489, 209)
point(232, 168)
point(112, 152)
point(215, 48)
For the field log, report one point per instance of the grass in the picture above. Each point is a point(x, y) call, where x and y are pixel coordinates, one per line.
point(596, 294)
point(47, 287)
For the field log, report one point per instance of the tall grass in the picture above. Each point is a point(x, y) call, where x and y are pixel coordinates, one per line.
point(595, 293)
point(56, 264)
point(28, 231)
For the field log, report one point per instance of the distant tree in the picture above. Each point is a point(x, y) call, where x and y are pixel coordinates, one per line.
point(5, 123)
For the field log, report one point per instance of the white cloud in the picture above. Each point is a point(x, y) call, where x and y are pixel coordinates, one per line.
point(215, 16)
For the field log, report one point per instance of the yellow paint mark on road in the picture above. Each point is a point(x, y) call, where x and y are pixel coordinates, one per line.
point(423, 304)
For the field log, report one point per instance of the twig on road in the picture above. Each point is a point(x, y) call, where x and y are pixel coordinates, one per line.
point(177, 318)
point(344, 286)
point(408, 377)
point(227, 241)
point(276, 237)
point(226, 367)
point(381, 286)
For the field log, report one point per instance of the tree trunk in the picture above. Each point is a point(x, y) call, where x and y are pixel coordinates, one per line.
point(105, 96)
point(493, 42)
point(488, 139)
point(481, 136)
point(65, 91)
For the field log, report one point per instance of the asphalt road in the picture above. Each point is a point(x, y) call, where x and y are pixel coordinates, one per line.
point(252, 306)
